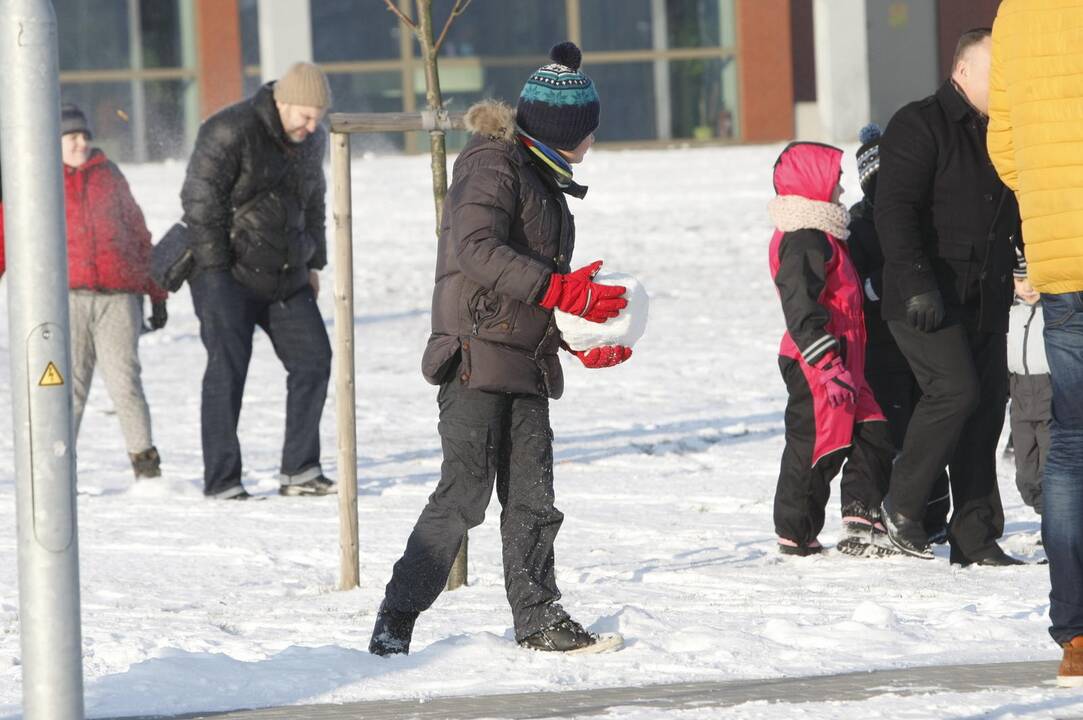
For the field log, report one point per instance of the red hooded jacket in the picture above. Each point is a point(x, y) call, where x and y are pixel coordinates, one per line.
point(821, 296)
point(108, 241)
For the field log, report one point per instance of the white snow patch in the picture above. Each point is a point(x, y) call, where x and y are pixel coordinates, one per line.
point(665, 470)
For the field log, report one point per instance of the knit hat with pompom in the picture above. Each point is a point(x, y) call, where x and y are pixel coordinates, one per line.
point(868, 158)
point(559, 105)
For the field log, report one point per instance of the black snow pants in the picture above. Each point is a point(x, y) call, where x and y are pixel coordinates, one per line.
point(803, 488)
point(488, 437)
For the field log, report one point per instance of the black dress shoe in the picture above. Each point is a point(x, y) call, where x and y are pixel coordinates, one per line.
point(906, 534)
point(998, 558)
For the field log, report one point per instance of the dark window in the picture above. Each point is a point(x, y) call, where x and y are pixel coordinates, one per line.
point(699, 104)
point(92, 34)
point(693, 23)
point(160, 26)
point(500, 27)
point(369, 93)
point(627, 95)
point(345, 30)
point(616, 25)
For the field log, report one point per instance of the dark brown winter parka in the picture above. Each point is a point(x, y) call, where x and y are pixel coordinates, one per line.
point(506, 228)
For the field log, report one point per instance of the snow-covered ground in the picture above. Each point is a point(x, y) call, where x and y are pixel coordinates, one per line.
point(665, 471)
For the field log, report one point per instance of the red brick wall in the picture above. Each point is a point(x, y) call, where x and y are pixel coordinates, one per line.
point(221, 75)
point(765, 68)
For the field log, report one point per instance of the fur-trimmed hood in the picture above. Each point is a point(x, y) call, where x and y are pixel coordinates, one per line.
point(493, 119)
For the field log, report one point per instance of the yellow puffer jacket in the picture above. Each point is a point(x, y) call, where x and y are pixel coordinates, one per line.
point(1036, 132)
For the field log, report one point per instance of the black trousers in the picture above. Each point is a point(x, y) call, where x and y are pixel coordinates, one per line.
point(803, 488)
point(963, 375)
point(228, 316)
point(1031, 414)
point(898, 393)
point(488, 436)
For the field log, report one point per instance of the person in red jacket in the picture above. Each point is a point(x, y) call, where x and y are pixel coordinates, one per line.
point(108, 273)
point(832, 416)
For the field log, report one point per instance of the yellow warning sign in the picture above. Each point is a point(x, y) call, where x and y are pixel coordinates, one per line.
point(51, 376)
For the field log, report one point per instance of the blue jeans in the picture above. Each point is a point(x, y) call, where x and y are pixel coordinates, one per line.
point(228, 316)
point(1062, 481)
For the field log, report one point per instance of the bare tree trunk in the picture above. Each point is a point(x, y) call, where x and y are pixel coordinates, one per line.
point(458, 575)
point(435, 103)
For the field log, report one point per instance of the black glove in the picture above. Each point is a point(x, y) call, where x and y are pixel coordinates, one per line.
point(158, 315)
point(925, 311)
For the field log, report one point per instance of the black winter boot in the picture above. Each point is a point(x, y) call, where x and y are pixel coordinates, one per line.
point(146, 464)
point(392, 632)
point(564, 636)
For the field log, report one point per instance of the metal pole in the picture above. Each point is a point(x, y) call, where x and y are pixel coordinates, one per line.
point(345, 391)
point(40, 368)
point(138, 118)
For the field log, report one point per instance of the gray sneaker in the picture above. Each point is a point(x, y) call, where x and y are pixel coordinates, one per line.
point(316, 486)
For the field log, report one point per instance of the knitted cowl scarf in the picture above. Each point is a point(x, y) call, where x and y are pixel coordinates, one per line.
point(793, 212)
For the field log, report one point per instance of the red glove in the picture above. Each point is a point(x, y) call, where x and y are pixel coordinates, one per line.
point(836, 379)
point(603, 357)
point(575, 293)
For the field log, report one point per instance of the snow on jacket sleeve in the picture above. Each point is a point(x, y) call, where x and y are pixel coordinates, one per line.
point(999, 140)
point(483, 203)
point(801, 278)
point(208, 185)
point(908, 155)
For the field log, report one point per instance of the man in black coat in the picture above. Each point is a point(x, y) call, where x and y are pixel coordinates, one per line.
point(889, 375)
point(946, 224)
point(254, 204)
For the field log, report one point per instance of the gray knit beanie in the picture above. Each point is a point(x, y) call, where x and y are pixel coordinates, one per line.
point(304, 84)
point(73, 120)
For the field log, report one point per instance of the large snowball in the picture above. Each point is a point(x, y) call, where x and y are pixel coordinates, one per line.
point(625, 329)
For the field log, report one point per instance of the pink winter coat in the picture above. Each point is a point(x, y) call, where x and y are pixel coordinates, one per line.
point(823, 298)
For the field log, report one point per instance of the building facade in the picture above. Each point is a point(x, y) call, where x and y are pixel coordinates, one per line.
point(148, 71)
point(861, 60)
point(690, 71)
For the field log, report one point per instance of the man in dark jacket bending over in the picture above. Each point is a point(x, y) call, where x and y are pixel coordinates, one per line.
point(946, 224)
point(254, 205)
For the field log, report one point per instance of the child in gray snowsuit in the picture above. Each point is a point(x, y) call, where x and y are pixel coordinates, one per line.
point(1031, 392)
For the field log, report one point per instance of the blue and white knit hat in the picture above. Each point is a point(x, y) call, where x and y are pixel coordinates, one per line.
point(868, 158)
point(559, 105)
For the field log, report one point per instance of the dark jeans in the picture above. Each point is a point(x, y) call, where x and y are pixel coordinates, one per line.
point(228, 315)
point(803, 488)
point(897, 393)
point(1062, 481)
point(963, 375)
point(487, 436)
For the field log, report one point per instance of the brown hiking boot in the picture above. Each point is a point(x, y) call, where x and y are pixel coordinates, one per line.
point(1070, 673)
